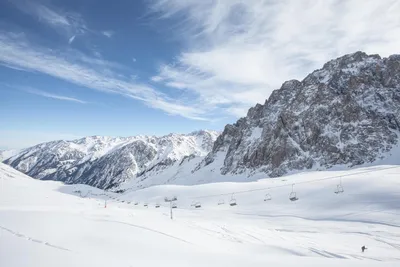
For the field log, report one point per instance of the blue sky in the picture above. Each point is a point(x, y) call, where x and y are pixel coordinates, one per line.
point(75, 68)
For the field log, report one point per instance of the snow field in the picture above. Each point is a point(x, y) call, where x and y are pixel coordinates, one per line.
point(49, 224)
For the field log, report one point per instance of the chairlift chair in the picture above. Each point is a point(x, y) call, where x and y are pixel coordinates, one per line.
point(174, 206)
point(232, 202)
point(339, 188)
point(136, 203)
point(197, 205)
point(267, 197)
point(293, 196)
point(145, 204)
point(221, 202)
point(157, 205)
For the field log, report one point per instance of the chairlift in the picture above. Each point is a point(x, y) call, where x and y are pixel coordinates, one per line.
point(293, 196)
point(197, 205)
point(339, 187)
point(267, 197)
point(221, 202)
point(232, 202)
point(174, 198)
point(174, 206)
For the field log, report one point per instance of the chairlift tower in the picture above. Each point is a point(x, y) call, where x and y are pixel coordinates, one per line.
point(170, 210)
point(172, 204)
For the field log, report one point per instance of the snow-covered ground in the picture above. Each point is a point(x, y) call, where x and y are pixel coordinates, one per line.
point(5, 154)
point(46, 223)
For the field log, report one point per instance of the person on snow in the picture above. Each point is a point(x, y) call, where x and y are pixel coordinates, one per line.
point(363, 248)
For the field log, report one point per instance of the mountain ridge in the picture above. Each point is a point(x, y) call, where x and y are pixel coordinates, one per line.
point(104, 161)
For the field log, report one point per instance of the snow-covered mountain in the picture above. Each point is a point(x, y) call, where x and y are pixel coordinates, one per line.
point(344, 115)
point(347, 113)
point(106, 161)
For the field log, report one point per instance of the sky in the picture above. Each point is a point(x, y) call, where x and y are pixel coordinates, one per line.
point(74, 68)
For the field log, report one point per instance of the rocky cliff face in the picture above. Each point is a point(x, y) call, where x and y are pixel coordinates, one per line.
point(104, 161)
point(347, 113)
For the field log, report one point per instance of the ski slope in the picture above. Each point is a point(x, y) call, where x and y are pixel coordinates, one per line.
point(46, 223)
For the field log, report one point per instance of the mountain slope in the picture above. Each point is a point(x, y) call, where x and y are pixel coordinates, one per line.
point(104, 161)
point(49, 224)
point(347, 113)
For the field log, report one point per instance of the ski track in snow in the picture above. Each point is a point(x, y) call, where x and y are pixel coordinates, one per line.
point(145, 228)
point(20, 235)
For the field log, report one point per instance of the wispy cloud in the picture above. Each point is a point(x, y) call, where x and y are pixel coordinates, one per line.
point(89, 72)
point(67, 23)
point(238, 51)
point(156, 79)
point(108, 34)
point(71, 39)
point(53, 96)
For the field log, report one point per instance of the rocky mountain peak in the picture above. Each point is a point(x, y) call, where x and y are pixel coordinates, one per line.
point(346, 113)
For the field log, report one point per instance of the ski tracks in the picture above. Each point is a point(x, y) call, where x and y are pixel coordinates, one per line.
point(37, 241)
point(146, 228)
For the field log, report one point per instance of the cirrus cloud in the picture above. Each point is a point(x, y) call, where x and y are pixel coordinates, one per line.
point(239, 51)
point(94, 73)
point(53, 96)
point(70, 24)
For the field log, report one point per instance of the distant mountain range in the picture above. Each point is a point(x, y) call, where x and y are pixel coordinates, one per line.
point(345, 114)
point(105, 161)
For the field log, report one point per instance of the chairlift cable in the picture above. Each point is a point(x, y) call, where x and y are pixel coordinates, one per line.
point(305, 182)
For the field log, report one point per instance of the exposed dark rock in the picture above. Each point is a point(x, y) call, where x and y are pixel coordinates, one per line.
point(348, 113)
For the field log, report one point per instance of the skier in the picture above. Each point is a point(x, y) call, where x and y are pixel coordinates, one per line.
point(363, 248)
